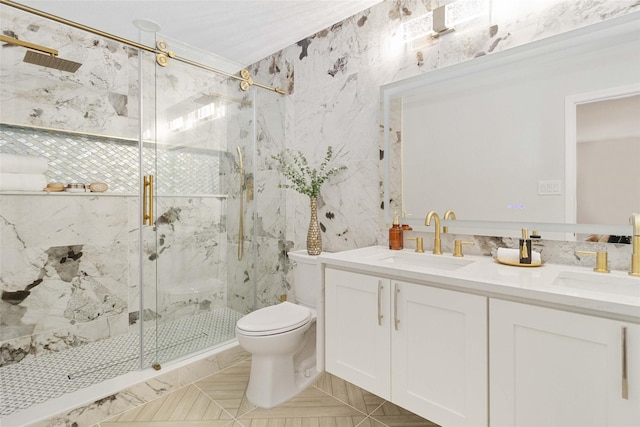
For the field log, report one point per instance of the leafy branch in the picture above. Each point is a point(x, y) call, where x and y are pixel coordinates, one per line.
point(304, 179)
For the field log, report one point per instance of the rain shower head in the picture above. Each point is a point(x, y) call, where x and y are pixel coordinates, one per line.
point(49, 57)
point(51, 61)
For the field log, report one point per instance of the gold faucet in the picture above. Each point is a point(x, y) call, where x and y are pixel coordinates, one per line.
point(457, 248)
point(635, 256)
point(448, 215)
point(601, 260)
point(437, 243)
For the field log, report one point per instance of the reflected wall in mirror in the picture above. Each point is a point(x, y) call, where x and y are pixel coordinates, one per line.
point(608, 160)
point(487, 138)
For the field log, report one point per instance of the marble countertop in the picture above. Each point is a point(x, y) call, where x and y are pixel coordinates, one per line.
point(484, 276)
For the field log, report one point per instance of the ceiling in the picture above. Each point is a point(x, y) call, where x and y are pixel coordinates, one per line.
point(243, 31)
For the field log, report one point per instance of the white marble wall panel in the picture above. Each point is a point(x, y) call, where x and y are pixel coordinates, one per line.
point(270, 282)
point(240, 279)
point(271, 215)
point(74, 293)
point(56, 220)
point(185, 257)
point(341, 115)
point(270, 138)
point(93, 100)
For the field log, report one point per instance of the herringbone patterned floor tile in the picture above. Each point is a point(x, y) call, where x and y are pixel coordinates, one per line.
point(348, 393)
point(228, 387)
point(219, 400)
point(392, 415)
point(312, 407)
point(188, 407)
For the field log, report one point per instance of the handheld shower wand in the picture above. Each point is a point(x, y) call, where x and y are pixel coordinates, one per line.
point(241, 213)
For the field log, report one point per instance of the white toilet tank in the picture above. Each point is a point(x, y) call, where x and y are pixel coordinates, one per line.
point(306, 277)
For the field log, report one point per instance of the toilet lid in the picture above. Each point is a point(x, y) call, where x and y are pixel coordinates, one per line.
point(274, 319)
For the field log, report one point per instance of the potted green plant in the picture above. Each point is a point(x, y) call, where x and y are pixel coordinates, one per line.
point(307, 180)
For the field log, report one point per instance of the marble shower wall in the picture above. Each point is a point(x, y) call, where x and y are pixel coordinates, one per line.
point(64, 272)
point(70, 267)
point(333, 79)
point(71, 262)
point(101, 98)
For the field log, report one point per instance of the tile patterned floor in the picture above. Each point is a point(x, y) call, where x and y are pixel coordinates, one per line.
point(33, 381)
point(219, 401)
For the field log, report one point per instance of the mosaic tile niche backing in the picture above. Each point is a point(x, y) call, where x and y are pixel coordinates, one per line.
point(76, 158)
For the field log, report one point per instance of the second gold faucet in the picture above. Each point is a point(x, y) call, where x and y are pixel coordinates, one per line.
point(437, 242)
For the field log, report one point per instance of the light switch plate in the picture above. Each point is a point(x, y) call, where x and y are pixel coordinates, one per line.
point(549, 188)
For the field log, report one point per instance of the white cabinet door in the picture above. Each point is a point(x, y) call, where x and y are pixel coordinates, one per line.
point(554, 368)
point(357, 330)
point(439, 354)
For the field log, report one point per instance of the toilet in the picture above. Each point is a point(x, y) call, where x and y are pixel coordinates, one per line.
point(282, 339)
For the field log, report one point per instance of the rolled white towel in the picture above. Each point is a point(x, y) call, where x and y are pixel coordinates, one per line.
point(14, 163)
point(22, 182)
point(513, 256)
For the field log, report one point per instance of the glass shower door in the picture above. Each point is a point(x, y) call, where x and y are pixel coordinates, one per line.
point(203, 127)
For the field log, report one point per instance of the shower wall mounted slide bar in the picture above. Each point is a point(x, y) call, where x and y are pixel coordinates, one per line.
point(245, 79)
point(241, 212)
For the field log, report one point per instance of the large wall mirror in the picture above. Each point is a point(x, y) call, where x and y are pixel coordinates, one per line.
point(544, 136)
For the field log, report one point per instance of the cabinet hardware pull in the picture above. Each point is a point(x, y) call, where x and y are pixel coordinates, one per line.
point(380, 316)
point(147, 207)
point(625, 379)
point(396, 321)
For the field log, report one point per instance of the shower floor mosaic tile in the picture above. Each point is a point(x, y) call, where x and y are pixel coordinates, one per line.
point(39, 379)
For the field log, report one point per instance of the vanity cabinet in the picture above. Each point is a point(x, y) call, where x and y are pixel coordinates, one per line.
point(357, 327)
point(420, 347)
point(554, 368)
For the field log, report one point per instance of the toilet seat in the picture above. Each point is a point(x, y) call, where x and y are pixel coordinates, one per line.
point(273, 320)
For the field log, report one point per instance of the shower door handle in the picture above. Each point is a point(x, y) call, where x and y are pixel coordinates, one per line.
point(147, 200)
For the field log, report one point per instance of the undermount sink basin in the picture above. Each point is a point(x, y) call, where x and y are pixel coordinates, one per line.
point(440, 262)
point(599, 282)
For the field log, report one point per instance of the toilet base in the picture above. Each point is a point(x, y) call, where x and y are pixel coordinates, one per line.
point(273, 382)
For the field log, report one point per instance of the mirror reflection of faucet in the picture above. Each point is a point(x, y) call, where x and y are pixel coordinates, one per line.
point(448, 215)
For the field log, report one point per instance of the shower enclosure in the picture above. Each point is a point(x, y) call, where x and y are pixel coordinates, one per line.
point(161, 265)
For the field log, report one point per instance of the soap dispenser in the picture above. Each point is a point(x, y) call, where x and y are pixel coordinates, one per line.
point(525, 247)
point(395, 235)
